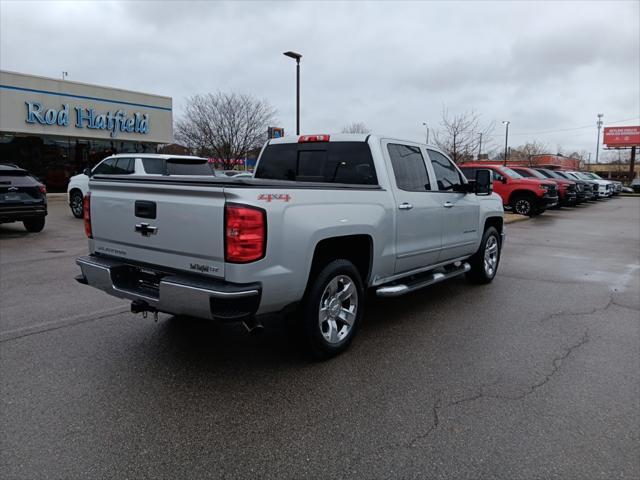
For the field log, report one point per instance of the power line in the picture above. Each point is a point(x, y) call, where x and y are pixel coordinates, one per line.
point(541, 132)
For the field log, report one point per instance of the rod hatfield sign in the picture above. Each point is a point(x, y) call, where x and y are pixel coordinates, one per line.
point(113, 122)
point(621, 136)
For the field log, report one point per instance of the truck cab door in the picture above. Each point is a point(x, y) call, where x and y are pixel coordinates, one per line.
point(461, 211)
point(418, 209)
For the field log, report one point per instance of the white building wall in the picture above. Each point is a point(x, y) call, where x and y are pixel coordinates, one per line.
point(46, 106)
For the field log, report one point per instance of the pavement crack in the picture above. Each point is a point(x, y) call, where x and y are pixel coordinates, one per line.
point(564, 313)
point(556, 365)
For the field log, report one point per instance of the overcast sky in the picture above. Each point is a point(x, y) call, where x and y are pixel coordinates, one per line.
point(545, 66)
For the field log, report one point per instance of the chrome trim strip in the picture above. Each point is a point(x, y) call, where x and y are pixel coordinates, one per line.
point(419, 252)
point(243, 293)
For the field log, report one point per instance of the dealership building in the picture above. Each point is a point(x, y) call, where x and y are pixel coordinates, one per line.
point(56, 128)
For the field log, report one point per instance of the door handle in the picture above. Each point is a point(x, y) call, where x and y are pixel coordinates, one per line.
point(405, 206)
point(447, 204)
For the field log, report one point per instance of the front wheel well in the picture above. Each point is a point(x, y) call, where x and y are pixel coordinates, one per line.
point(75, 189)
point(495, 222)
point(520, 194)
point(358, 249)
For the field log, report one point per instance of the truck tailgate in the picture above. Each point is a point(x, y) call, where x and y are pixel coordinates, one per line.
point(176, 226)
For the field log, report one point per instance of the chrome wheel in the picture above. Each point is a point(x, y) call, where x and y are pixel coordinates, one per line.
point(338, 309)
point(491, 256)
point(523, 207)
point(76, 205)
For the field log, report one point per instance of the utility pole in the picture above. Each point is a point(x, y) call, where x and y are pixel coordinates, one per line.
point(480, 146)
point(506, 140)
point(599, 125)
point(296, 57)
point(632, 164)
point(427, 132)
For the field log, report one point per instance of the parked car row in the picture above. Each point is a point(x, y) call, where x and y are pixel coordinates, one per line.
point(532, 190)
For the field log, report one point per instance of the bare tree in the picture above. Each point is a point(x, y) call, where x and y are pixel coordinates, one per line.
point(224, 126)
point(355, 127)
point(528, 150)
point(459, 135)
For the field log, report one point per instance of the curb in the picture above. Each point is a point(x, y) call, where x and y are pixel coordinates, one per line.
point(513, 218)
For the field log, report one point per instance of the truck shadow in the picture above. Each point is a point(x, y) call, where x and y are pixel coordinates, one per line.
point(208, 345)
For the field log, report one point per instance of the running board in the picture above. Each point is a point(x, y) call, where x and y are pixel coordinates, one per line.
point(401, 289)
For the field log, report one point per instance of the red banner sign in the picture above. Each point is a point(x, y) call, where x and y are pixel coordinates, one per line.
point(621, 136)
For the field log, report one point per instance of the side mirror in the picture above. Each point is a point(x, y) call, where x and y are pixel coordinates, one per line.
point(87, 172)
point(504, 179)
point(483, 184)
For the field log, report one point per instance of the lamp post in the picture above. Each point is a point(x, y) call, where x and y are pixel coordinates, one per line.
point(480, 146)
point(424, 124)
point(599, 125)
point(65, 75)
point(296, 57)
point(506, 139)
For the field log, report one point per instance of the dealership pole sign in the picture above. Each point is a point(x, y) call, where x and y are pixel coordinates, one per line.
point(621, 137)
point(113, 122)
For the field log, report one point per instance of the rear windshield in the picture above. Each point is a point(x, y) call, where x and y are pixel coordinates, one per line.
point(331, 162)
point(177, 166)
point(13, 173)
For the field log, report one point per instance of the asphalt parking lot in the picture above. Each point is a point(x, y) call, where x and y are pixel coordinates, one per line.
point(533, 376)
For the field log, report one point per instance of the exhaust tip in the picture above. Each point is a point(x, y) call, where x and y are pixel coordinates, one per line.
point(253, 326)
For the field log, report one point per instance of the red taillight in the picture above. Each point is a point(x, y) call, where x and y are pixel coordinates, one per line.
point(43, 189)
point(245, 233)
point(86, 214)
point(313, 138)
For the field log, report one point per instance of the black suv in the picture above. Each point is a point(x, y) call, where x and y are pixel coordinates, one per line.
point(22, 198)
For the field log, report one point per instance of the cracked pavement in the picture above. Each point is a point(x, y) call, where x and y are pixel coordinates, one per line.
point(533, 376)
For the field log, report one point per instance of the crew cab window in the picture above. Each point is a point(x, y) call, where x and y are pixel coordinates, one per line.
point(447, 174)
point(105, 168)
point(177, 166)
point(409, 168)
point(328, 162)
point(123, 166)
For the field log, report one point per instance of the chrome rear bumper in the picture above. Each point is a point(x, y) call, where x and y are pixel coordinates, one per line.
point(174, 293)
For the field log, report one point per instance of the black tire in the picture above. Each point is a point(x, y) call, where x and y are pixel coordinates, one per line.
point(34, 225)
point(312, 330)
point(75, 203)
point(479, 272)
point(523, 204)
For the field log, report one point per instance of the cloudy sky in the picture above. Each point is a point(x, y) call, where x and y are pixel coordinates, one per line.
point(548, 67)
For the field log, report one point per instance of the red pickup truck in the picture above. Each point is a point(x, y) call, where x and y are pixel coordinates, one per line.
point(566, 188)
point(525, 196)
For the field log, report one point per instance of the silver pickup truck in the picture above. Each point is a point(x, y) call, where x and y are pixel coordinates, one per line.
point(324, 218)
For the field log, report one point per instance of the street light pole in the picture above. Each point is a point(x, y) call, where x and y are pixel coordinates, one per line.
point(480, 146)
point(296, 57)
point(506, 140)
point(599, 125)
point(427, 133)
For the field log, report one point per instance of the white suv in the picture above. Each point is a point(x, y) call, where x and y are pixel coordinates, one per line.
point(133, 164)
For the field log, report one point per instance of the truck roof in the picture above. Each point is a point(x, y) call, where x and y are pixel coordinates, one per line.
point(346, 137)
point(333, 137)
point(162, 156)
